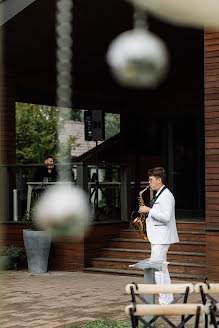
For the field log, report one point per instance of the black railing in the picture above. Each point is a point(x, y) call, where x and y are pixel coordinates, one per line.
point(107, 185)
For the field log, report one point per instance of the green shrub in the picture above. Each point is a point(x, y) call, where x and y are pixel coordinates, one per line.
point(29, 221)
point(11, 257)
point(11, 251)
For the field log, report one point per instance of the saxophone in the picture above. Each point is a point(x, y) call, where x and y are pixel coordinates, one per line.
point(139, 222)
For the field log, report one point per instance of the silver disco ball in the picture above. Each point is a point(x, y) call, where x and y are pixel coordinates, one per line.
point(138, 58)
point(64, 211)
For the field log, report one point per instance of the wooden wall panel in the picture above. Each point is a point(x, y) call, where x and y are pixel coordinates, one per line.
point(68, 254)
point(12, 234)
point(211, 73)
point(211, 69)
point(212, 254)
point(7, 138)
point(7, 130)
point(98, 236)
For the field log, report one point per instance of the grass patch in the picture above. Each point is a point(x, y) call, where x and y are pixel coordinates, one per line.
point(112, 324)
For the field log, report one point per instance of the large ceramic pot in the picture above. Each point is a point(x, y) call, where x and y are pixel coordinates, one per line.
point(37, 245)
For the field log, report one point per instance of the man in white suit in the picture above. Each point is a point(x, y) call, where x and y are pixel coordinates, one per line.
point(161, 226)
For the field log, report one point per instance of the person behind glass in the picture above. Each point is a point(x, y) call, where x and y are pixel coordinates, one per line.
point(161, 226)
point(48, 172)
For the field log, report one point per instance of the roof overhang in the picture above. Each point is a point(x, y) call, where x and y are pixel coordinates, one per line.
point(30, 50)
point(10, 8)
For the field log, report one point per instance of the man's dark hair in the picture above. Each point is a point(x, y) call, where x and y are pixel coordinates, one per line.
point(48, 156)
point(158, 172)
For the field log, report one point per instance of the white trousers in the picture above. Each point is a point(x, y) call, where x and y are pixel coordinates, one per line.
point(159, 253)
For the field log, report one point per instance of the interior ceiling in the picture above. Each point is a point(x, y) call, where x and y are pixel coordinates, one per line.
point(30, 51)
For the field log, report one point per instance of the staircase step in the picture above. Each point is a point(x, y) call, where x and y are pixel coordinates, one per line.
point(139, 254)
point(185, 224)
point(116, 263)
point(141, 273)
point(142, 244)
point(146, 241)
point(201, 265)
point(187, 258)
point(143, 251)
point(190, 235)
point(194, 225)
point(191, 232)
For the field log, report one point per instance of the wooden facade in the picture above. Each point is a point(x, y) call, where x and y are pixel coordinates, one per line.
point(112, 247)
point(7, 133)
point(68, 254)
point(191, 89)
point(211, 69)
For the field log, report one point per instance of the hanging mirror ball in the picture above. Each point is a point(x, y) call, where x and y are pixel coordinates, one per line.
point(138, 58)
point(64, 211)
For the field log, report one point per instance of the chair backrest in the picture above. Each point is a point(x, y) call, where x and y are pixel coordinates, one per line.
point(170, 309)
point(209, 289)
point(141, 289)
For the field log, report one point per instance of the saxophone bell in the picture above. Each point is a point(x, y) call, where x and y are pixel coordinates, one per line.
point(139, 220)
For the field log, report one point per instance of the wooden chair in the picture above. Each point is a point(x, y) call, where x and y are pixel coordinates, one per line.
point(136, 311)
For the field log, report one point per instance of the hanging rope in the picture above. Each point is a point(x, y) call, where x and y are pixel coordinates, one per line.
point(64, 54)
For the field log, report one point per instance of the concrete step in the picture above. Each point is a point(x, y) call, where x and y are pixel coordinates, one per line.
point(174, 267)
point(193, 225)
point(142, 244)
point(190, 235)
point(184, 224)
point(140, 254)
point(201, 265)
point(187, 258)
point(181, 276)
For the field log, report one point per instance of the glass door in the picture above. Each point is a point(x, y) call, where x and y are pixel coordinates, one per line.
point(185, 162)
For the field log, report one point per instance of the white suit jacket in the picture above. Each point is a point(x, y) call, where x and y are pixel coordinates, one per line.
point(161, 222)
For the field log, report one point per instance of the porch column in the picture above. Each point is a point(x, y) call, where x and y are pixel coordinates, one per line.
point(7, 140)
point(125, 193)
point(82, 176)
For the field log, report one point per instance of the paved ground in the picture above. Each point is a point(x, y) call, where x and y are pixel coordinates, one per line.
point(62, 299)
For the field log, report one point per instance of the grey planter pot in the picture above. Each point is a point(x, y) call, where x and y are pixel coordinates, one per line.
point(37, 245)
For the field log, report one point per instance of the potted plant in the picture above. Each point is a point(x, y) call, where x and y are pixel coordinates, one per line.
point(37, 245)
point(10, 256)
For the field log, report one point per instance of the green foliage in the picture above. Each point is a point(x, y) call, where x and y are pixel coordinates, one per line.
point(11, 251)
point(112, 125)
point(108, 324)
point(29, 220)
point(10, 257)
point(105, 324)
point(112, 324)
point(36, 132)
point(77, 115)
point(65, 149)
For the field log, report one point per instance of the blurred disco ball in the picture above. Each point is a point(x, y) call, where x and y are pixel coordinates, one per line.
point(138, 58)
point(64, 211)
point(194, 13)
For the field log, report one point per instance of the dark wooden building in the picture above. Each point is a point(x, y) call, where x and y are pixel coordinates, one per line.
point(175, 125)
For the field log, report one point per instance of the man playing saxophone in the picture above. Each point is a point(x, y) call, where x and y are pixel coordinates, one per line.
point(161, 226)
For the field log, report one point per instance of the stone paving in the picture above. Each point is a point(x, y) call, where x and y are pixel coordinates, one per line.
point(64, 299)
